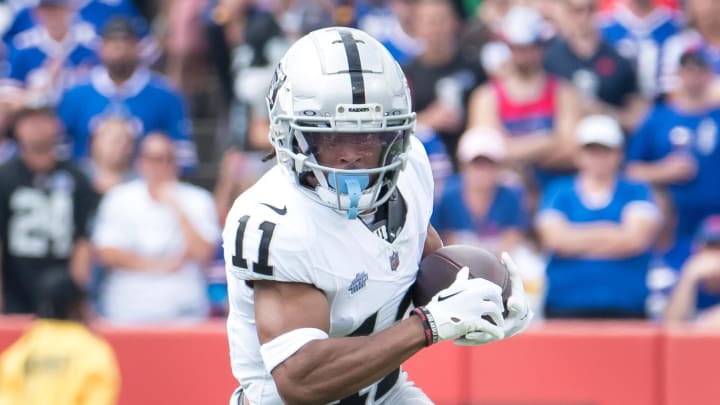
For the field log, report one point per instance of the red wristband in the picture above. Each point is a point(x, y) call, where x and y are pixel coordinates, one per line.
point(426, 325)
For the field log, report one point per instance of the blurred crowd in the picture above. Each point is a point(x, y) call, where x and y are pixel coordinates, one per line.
point(581, 136)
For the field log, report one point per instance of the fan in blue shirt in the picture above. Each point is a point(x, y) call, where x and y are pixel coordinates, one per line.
point(677, 147)
point(121, 87)
point(95, 12)
point(475, 208)
point(638, 30)
point(598, 228)
point(52, 55)
point(697, 294)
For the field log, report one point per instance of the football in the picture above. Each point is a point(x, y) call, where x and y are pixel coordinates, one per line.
point(438, 270)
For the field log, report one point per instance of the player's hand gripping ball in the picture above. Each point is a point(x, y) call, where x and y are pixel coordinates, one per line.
point(438, 271)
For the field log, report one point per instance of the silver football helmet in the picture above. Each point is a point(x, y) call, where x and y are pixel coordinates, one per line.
point(339, 86)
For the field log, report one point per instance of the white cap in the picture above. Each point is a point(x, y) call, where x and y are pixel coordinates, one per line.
point(600, 129)
point(522, 26)
point(481, 142)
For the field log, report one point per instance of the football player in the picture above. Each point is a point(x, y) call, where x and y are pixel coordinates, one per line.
point(321, 252)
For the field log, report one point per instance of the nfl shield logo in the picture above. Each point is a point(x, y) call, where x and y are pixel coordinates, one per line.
point(394, 261)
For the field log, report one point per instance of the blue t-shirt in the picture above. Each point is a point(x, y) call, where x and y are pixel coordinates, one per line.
point(146, 100)
point(667, 129)
point(30, 52)
point(584, 283)
point(506, 211)
point(95, 12)
point(641, 41)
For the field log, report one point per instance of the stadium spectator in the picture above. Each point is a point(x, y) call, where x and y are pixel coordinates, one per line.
point(536, 111)
point(697, 295)
point(606, 81)
point(476, 208)
point(677, 147)
point(122, 87)
point(441, 77)
point(185, 44)
point(111, 153)
point(51, 56)
point(45, 209)
point(599, 229)
point(639, 29)
point(59, 360)
point(391, 23)
point(153, 235)
point(95, 13)
point(703, 33)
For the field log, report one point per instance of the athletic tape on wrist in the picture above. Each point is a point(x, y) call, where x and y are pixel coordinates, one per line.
point(279, 349)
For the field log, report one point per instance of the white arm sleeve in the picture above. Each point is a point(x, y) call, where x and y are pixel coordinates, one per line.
point(279, 349)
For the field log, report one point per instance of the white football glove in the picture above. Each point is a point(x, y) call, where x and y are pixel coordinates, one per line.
point(460, 308)
point(519, 313)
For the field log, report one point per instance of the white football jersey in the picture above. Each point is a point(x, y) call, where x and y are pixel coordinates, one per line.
point(274, 231)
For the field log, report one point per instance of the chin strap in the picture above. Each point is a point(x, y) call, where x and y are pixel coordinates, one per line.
point(352, 185)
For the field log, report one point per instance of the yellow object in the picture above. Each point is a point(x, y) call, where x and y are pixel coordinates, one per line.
point(59, 363)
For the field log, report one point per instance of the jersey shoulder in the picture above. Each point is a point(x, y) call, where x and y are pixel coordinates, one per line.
point(270, 230)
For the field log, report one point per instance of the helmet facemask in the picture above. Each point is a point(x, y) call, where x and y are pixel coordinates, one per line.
point(352, 172)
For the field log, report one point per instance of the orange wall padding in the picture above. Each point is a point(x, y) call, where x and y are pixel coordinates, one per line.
point(558, 362)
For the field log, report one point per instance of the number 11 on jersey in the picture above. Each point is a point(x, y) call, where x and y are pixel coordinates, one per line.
point(262, 266)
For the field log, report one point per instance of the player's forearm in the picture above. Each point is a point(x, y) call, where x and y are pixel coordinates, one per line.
point(331, 369)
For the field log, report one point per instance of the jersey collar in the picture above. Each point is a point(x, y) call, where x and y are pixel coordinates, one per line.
point(104, 85)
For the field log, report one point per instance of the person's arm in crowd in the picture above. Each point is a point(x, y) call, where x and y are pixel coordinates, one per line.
point(110, 239)
point(196, 246)
point(81, 261)
point(566, 119)
point(127, 260)
point(482, 112)
point(683, 300)
point(629, 115)
point(630, 237)
point(675, 168)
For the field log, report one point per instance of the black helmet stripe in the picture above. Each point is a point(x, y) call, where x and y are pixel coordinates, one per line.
point(354, 66)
